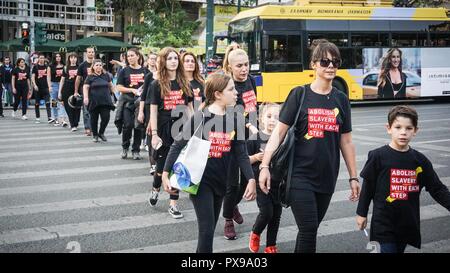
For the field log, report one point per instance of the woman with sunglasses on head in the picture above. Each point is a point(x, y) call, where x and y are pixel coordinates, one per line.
point(323, 130)
point(196, 81)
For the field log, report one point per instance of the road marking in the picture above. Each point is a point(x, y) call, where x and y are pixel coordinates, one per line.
point(285, 234)
point(442, 246)
point(42, 153)
point(386, 141)
point(50, 161)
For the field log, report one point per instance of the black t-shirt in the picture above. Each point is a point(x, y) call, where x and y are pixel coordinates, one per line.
point(70, 75)
point(83, 73)
point(224, 145)
point(146, 88)
point(247, 98)
point(322, 120)
point(198, 90)
point(256, 144)
point(393, 180)
point(7, 73)
point(99, 92)
point(170, 102)
point(131, 78)
point(22, 76)
point(40, 76)
point(56, 73)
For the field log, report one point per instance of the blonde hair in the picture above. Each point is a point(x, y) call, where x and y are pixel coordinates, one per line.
point(263, 110)
point(226, 61)
point(163, 76)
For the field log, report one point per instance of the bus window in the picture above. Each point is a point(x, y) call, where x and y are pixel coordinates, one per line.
point(283, 53)
point(404, 39)
point(339, 39)
point(440, 39)
point(370, 39)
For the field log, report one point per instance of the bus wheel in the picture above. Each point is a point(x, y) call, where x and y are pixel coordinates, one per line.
point(340, 85)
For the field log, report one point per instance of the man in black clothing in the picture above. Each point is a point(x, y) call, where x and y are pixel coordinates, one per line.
point(83, 71)
point(6, 70)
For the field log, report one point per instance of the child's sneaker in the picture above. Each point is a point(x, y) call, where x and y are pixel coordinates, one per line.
point(228, 231)
point(253, 244)
point(173, 210)
point(271, 249)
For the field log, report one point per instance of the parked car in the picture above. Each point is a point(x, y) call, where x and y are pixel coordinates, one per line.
point(370, 89)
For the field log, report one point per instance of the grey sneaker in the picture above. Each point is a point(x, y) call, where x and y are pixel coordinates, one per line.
point(124, 153)
point(153, 198)
point(136, 156)
point(173, 210)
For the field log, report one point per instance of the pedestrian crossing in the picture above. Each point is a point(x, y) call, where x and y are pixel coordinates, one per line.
point(58, 187)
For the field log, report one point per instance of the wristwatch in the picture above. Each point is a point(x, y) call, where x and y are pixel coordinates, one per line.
point(353, 178)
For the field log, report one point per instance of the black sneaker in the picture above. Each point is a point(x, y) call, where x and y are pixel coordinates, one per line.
point(95, 139)
point(124, 153)
point(173, 210)
point(102, 137)
point(51, 120)
point(136, 156)
point(153, 198)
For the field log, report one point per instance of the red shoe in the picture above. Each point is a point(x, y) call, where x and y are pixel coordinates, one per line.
point(253, 244)
point(237, 217)
point(271, 249)
point(229, 232)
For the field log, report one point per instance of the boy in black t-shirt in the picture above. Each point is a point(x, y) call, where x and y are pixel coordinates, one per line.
point(393, 176)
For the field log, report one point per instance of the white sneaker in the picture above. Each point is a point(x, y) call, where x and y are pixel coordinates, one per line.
point(37, 120)
point(13, 114)
point(176, 214)
point(74, 129)
point(24, 117)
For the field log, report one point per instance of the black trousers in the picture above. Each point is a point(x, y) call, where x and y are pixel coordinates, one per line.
point(269, 214)
point(1, 100)
point(235, 189)
point(104, 113)
point(207, 206)
point(129, 130)
point(308, 208)
point(21, 95)
point(160, 161)
point(73, 114)
point(42, 95)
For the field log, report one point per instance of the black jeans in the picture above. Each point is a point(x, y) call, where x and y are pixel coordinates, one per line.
point(160, 161)
point(128, 130)
point(207, 206)
point(308, 208)
point(236, 186)
point(269, 214)
point(73, 114)
point(103, 112)
point(392, 247)
point(21, 95)
point(42, 95)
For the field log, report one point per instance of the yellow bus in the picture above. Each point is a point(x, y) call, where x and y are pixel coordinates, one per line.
point(277, 39)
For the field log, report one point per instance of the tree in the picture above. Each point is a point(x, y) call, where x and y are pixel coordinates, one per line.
point(165, 24)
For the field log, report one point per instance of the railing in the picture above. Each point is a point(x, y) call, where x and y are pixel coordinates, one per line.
point(18, 10)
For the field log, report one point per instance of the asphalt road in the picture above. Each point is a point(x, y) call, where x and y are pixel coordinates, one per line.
point(60, 192)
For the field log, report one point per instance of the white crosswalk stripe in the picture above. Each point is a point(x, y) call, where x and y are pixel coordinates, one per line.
point(41, 208)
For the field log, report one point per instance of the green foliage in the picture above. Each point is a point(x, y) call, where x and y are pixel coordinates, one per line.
point(165, 24)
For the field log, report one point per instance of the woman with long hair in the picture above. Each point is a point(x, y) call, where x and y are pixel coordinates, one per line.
point(97, 90)
point(170, 96)
point(67, 89)
point(129, 84)
point(225, 145)
point(323, 131)
point(196, 80)
point(40, 79)
point(391, 80)
point(21, 87)
point(56, 71)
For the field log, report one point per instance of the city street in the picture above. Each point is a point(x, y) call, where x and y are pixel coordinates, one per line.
point(60, 192)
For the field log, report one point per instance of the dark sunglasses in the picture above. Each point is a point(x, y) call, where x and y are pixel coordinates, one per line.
point(326, 62)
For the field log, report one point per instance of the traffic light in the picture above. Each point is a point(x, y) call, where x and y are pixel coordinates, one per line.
point(25, 34)
point(41, 33)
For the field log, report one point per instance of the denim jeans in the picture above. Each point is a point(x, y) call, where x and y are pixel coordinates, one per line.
point(392, 247)
point(59, 111)
point(9, 94)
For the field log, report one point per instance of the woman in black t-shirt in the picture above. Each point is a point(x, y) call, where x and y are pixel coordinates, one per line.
point(226, 142)
point(392, 81)
point(67, 89)
point(21, 87)
point(97, 90)
point(322, 131)
point(40, 79)
point(196, 81)
point(56, 72)
point(170, 97)
point(129, 84)
point(238, 68)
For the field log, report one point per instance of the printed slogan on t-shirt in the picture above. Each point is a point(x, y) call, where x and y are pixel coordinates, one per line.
point(249, 98)
point(321, 120)
point(42, 73)
point(220, 143)
point(173, 99)
point(402, 183)
point(135, 79)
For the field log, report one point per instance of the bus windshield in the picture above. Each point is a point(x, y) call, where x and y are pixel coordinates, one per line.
point(244, 33)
